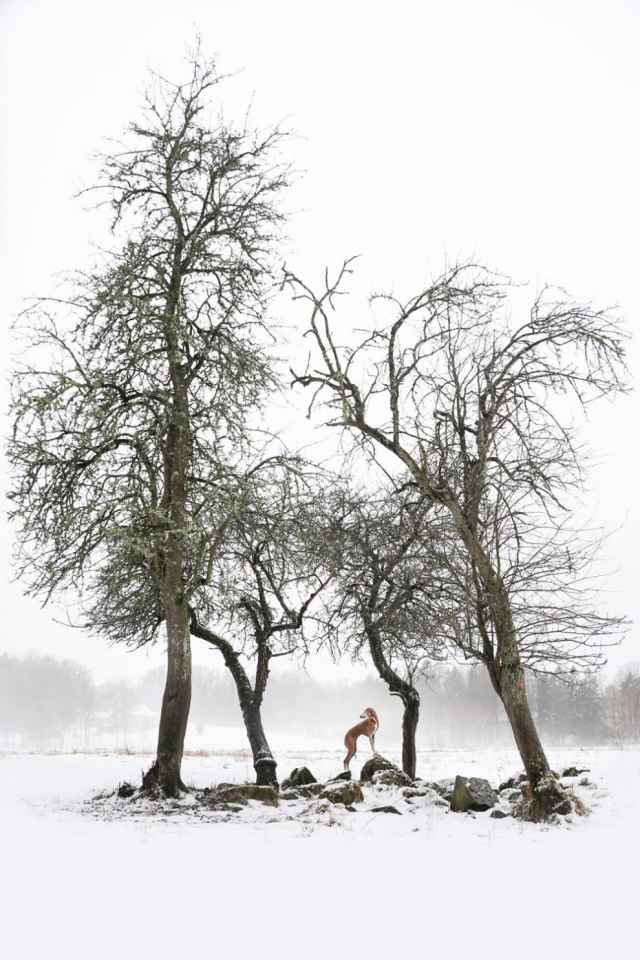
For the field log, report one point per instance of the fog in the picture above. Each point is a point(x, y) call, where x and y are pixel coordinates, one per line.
point(58, 705)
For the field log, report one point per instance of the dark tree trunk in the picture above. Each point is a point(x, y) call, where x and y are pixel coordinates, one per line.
point(514, 698)
point(264, 763)
point(176, 701)
point(410, 719)
point(507, 675)
point(263, 760)
point(397, 688)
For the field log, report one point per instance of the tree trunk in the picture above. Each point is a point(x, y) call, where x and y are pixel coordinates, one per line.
point(264, 763)
point(410, 719)
point(507, 676)
point(263, 760)
point(176, 701)
point(397, 688)
point(546, 792)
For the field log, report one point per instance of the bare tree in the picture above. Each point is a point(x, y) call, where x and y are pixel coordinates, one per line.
point(386, 594)
point(146, 377)
point(260, 587)
point(474, 407)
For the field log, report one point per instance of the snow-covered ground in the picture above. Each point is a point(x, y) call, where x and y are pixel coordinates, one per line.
point(430, 883)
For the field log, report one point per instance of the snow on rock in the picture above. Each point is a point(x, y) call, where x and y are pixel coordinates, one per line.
point(444, 788)
point(380, 770)
point(343, 791)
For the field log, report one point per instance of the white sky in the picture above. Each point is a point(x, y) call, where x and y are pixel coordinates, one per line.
point(506, 131)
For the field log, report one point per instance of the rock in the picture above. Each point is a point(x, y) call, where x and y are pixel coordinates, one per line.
point(126, 790)
point(425, 793)
point(499, 814)
point(299, 777)
point(350, 808)
point(585, 782)
point(575, 771)
point(345, 775)
point(386, 809)
point(443, 788)
point(564, 808)
point(290, 795)
point(242, 792)
point(512, 782)
point(512, 795)
point(215, 802)
point(226, 807)
point(390, 778)
point(343, 791)
point(472, 793)
point(410, 792)
point(310, 790)
point(376, 765)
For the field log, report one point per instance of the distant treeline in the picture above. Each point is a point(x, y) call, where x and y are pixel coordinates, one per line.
point(47, 703)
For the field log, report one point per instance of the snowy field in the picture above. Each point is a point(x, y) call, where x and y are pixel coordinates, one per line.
point(428, 883)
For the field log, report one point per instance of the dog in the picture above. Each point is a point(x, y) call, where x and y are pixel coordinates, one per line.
point(368, 728)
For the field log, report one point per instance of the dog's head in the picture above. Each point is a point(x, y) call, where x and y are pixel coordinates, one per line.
point(369, 714)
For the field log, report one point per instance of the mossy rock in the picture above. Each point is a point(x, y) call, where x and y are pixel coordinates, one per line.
point(343, 791)
point(242, 792)
point(299, 777)
point(310, 790)
point(472, 793)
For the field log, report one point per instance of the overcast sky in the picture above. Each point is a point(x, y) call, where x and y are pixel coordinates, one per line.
point(505, 131)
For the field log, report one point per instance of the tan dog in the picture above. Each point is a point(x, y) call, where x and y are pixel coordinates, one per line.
point(367, 728)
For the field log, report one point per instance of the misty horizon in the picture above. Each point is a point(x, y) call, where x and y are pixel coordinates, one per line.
point(57, 705)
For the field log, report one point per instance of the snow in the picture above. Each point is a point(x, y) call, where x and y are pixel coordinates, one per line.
point(429, 882)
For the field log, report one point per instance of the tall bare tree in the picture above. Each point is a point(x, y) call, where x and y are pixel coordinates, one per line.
point(148, 374)
point(477, 408)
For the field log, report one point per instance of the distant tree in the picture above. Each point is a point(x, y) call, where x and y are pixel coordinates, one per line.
point(470, 403)
point(116, 702)
point(42, 698)
point(622, 705)
point(147, 378)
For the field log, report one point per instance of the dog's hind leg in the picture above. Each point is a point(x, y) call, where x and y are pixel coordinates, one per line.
point(351, 752)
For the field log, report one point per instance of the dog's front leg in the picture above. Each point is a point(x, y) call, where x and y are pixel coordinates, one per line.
point(372, 743)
